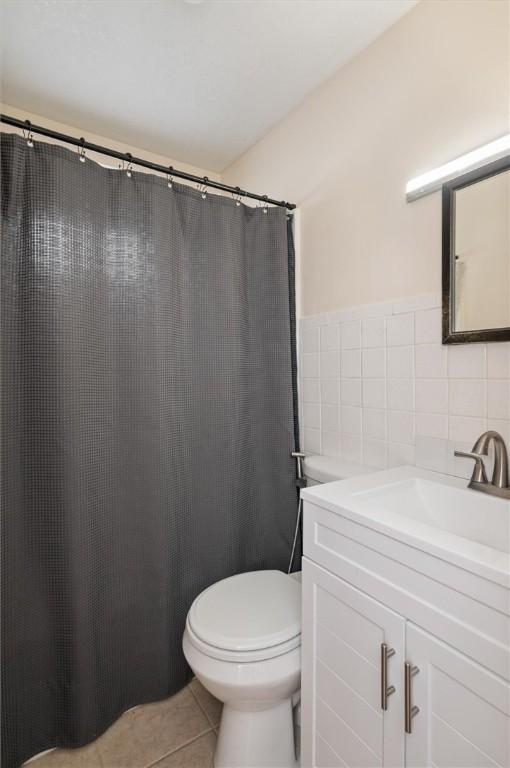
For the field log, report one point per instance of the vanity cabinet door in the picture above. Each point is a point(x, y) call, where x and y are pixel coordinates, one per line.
point(463, 719)
point(343, 723)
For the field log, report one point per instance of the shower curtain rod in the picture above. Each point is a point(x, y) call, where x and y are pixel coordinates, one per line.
point(129, 158)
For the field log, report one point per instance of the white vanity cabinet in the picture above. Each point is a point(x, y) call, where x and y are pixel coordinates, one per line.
point(463, 718)
point(374, 606)
point(343, 633)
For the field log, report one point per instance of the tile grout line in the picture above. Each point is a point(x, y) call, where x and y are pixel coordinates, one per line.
point(185, 744)
point(202, 708)
point(189, 741)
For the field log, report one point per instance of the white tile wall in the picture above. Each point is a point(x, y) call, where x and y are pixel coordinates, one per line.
point(378, 387)
point(400, 330)
point(373, 332)
point(351, 335)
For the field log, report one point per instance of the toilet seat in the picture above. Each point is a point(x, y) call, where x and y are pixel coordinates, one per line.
point(248, 617)
point(242, 657)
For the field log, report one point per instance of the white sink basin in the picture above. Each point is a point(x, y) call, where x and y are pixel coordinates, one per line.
point(433, 512)
point(461, 511)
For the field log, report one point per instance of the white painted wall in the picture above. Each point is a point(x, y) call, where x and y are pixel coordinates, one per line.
point(434, 86)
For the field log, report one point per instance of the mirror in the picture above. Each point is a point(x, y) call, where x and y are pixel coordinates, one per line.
point(476, 255)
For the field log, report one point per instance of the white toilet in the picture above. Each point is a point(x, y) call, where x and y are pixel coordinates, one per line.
point(243, 642)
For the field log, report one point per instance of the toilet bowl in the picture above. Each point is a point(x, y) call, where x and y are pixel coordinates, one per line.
point(243, 642)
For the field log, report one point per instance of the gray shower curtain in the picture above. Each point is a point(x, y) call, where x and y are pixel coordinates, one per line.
point(148, 415)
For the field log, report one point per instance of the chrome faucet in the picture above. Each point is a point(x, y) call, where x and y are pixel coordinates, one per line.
point(499, 485)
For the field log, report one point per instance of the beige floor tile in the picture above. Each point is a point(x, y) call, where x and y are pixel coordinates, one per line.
point(198, 754)
point(85, 757)
point(211, 706)
point(144, 735)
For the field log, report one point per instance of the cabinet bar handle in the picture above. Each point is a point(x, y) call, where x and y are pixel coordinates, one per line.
point(386, 653)
point(410, 711)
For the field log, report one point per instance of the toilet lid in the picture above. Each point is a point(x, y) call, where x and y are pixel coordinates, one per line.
point(249, 611)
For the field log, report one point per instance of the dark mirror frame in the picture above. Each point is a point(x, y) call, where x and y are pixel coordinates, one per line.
point(450, 335)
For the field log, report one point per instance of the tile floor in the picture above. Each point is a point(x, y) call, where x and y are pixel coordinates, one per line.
point(179, 732)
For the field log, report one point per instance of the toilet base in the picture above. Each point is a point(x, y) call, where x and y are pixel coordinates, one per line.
point(256, 739)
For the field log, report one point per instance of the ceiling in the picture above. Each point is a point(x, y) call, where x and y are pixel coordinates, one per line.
point(199, 81)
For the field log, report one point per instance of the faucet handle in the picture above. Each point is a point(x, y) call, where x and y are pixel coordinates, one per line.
point(479, 475)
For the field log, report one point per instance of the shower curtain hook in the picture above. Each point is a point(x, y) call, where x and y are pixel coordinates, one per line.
point(81, 150)
point(236, 197)
point(169, 176)
point(27, 134)
point(129, 168)
point(263, 204)
point(202, 187)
